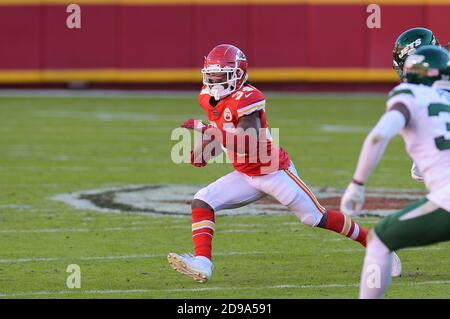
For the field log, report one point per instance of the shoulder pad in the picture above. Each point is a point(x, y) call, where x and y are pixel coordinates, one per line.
point(402, 89)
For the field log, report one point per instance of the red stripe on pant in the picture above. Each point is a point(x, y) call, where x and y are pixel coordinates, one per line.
point(202, 237)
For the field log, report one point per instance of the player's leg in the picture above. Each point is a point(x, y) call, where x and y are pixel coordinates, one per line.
point(230, 191)
point(419, 224)
point(292, 192)
point(287, 187)
point(203, 224)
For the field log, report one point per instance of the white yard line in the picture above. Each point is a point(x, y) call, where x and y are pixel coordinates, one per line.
point(134, 228)
point(146, 256)
point(222, 229)
point(281, 286)
point(70, 230)
point(344, 128)
point(140, 256)
point(24, 260)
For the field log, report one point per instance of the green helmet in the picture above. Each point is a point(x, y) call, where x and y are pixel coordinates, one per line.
point(427, 65)
point(407, 43)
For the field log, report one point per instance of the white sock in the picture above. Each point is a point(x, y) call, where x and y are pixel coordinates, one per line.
point(376, 272)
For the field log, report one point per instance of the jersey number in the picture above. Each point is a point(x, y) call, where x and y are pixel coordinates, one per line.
point(237, 96)
point(433, 110)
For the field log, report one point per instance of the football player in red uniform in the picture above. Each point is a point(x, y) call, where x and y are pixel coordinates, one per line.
point(238, 124)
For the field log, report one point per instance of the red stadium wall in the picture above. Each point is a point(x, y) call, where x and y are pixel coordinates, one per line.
point(165, 41)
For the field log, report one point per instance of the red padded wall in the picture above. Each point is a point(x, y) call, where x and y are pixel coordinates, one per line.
point(35, 37)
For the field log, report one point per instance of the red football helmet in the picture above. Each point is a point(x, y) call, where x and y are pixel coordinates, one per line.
point(224, 70)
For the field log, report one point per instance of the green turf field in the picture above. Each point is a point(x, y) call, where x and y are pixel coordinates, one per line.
point(53, 145)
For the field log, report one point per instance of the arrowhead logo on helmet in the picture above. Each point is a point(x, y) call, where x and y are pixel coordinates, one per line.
point(224, 70)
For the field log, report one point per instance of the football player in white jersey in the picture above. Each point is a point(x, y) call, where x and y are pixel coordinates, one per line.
point(407, 43)
point(420, 111)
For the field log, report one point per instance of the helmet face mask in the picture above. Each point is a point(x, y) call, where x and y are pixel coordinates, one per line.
point(224, 71)
point(398, 69)
point(427, 65)
point(221, 82)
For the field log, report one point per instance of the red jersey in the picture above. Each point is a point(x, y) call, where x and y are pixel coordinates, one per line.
point(225, 115)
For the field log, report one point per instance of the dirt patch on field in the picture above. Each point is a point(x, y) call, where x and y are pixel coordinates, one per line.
point(175, 200)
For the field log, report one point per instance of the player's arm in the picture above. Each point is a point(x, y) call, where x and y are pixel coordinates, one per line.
point(205, 149)
point(372, 151)
point(244, 139)
point(206, 146)
point(376, 142)
point(248, 111)
point(251, 122)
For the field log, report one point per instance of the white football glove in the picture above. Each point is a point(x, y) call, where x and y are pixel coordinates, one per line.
point(353, 200)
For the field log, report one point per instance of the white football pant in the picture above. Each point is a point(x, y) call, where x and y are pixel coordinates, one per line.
point(237, 189)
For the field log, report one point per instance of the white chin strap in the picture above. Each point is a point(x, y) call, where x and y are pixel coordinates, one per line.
point(218, 92)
